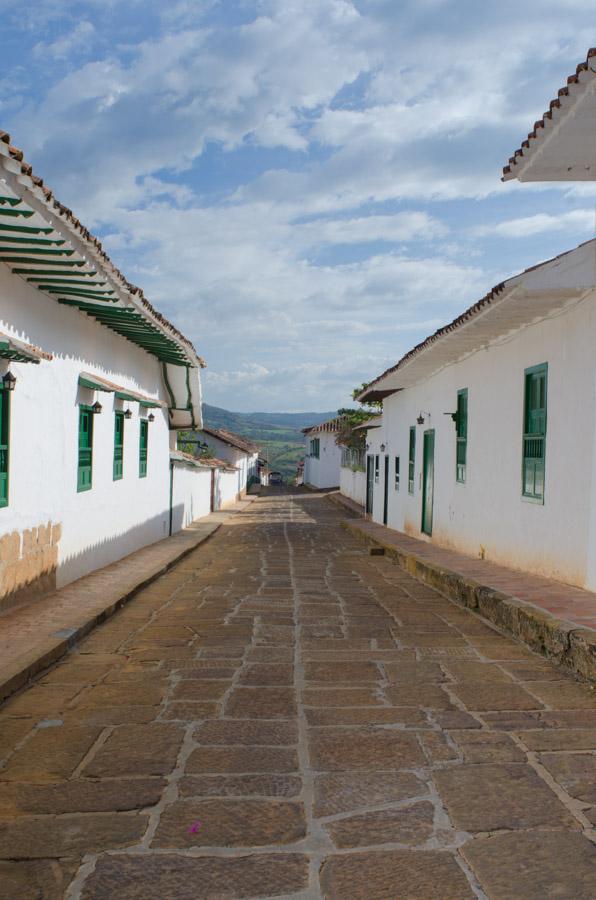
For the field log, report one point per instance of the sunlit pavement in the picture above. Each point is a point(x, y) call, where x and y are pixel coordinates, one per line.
point(284, 715)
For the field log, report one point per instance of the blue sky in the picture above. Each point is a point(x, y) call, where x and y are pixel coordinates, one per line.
point(307, 188)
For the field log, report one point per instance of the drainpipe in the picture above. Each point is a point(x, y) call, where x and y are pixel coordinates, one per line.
point(171, 493)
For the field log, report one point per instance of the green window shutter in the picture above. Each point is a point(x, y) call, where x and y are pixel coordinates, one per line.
point(461, 428)
point(4, 441)
point(118, 446)
point(411, 460)
point(534, 438)
point(397, 473)
point(377, 469)
point(84, 473)
point(143, 447)
point(315, 447)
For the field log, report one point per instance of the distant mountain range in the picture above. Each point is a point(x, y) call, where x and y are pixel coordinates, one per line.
point(277, 434)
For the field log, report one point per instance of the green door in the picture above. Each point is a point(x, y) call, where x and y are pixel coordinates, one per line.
point(4, 425)
point(84, 475)
point(428, 481)
point(143, 447)
point(118, 446)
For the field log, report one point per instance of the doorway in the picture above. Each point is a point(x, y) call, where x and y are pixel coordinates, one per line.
point(370, 474)
point(386, 491)
point(428, 481)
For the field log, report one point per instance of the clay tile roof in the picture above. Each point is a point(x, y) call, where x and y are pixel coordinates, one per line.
point(370, 393)
point(232, 439)
point(55, 207)
point(331, 425)
point(548, 115)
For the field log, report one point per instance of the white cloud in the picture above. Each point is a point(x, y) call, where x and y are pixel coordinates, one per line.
point(576, 220)
point(250, 161)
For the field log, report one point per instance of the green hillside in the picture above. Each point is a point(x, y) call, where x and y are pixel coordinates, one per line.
point(277, 434)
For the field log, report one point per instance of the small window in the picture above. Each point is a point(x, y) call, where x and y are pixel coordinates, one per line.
point(118, 446)
point(315, 447)
point(534, 438)
point(84, 474)
point(411, 460)
point(4, 441)
point(461, 428)
point(143, 447)
point(376, 469)
point(396, 478)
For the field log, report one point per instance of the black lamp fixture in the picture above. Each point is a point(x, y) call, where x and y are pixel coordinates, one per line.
point(151, 417)
point(382, 448)
point(128, 414)
point(421, 417)
point(97, 408)
point(9, 381)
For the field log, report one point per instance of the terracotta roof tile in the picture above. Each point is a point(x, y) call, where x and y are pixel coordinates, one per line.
point(462, 319)
point(234, 440)
point(554, 105)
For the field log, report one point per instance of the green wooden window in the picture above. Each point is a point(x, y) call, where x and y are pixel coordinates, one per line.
point(411, 460)
point(118, 446)
point(143, 447)
point(315, 447)
point(396, 477)
point(4, 441)
point(534, 439)
point(461, 429)
point(84, 474)
point(376, 469)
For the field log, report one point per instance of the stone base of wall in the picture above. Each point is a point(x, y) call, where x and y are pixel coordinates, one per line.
point(28, 563)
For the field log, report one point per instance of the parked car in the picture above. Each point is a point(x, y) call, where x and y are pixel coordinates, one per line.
point(276, 478)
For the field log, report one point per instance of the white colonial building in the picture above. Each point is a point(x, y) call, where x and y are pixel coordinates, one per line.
point(488, 435)
point(94, 385)
point(322, 457)
point(241, 453)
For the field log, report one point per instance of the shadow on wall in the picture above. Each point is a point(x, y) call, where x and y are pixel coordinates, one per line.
point(116, 546)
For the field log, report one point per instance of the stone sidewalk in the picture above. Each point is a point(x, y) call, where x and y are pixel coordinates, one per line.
point(556, 619)
point(284, 715)
point(35, 635)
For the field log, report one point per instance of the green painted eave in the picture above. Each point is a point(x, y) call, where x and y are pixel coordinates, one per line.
point(8, 351)
point(134, 326)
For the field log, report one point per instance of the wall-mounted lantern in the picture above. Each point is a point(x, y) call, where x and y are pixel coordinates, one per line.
point(422, 416)
point(9, 381)
point(97, 408)
point(128, 414)
point(382, 448)
point(151, 417)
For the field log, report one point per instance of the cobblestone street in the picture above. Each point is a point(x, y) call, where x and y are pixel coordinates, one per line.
point(285, 715)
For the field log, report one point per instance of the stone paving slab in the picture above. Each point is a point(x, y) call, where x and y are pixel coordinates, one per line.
point(556, 619)
point(212, 740)
point(36, 635)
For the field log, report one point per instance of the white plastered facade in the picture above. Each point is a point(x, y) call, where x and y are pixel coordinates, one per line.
point(97, 526)
point(322, 471)
point(487, 516)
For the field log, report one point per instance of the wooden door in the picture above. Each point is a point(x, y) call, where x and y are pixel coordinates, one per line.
point(370, 474)
point(428, 481)
point(386, 491)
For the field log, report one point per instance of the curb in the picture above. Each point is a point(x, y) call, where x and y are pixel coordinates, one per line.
point(569, 646)
point(55, 646)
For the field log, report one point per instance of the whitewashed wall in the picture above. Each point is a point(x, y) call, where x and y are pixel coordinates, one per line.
point(488, 515)
point(191, 494)
point(246, 463)
point(114, 517)
point(352, 484)
point(324, 471)
point(226, 488)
